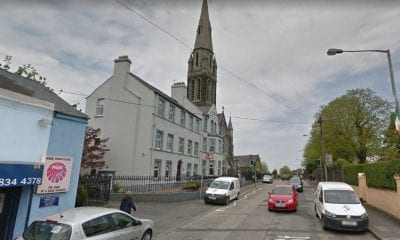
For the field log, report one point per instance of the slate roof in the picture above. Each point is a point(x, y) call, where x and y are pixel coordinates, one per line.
point(244, 160)
point(33, 88)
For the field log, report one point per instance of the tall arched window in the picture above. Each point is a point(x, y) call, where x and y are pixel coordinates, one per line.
point(197, 89)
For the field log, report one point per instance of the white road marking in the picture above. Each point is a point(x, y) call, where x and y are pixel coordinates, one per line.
point(290, 237)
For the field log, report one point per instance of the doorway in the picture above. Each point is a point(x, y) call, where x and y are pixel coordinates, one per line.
point(9, 201)
point(178, 170)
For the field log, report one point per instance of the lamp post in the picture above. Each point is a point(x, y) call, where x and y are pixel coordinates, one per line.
point(323, 160)
point(334, 51)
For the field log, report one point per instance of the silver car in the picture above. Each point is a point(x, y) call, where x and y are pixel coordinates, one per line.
point(93, 223)
point(267, 179)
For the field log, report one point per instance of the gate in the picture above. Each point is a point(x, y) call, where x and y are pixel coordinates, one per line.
point(95, 190)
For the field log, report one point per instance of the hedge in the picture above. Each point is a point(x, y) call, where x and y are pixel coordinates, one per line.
point(379, 174)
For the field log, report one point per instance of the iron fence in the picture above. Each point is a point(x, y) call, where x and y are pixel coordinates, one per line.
point(158, 185)
point(95, 190)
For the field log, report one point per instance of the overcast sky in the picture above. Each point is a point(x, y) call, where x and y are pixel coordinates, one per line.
point(275, 50)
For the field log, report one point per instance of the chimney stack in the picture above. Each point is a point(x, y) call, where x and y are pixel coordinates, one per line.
point(122, 65)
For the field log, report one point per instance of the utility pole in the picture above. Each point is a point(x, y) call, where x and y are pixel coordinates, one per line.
point(323, 160)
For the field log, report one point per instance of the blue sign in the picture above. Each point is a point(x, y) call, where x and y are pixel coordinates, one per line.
point(49, 201)
point(20, 174)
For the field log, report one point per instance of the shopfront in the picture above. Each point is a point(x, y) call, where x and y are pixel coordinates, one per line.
point(17, 182)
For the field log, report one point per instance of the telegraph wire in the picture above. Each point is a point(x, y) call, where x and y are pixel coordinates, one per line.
point(190, 48)
point(151, 106)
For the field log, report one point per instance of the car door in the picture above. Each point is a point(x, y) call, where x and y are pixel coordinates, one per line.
point(126, 227)
point(99, 228)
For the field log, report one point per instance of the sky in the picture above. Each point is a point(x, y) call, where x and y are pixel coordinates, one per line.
point(273, 70)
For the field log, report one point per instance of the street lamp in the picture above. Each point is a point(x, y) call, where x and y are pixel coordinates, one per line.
point(334, 51)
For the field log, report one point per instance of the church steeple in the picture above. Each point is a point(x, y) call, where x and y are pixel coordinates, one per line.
point(202, 65)
point(203, 36)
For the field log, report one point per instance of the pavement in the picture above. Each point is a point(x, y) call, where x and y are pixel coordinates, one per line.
point(382, 225)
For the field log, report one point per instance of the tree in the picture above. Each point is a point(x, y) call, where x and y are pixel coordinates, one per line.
point(94, 149)
point(26, 70)
point(352, 126)
point(285, 170)
point(391, 142)
point(264, 167)
point(275, 173)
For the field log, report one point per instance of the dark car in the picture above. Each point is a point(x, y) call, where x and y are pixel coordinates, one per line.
point(297, 183)
point(285, 177)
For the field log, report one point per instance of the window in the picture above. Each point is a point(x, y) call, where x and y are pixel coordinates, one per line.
point(204, 144)
point(170, 143)
point(197, 126)
point(212, 127)
point(196, 149)
point(157, 168)
point(219, 168)
point(183, 117)
point(122, 221)
point(197, 56)
point(161, 107)
point(168, 167)
point(44, 230)
point(212, 145)
point(181, 145)
point(96, 226)
point(211, 168)
point(205, 124)
point(171, 115)
point(100, 107)
point(220, 146)
point(204, 167)
point(159, 139)
point(188, 169)
point(191, 122)
point(195, 169)
point(197, 89)
point(189, 147)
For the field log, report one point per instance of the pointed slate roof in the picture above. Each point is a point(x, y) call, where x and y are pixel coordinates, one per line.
point(203, 36)
point(33, 88)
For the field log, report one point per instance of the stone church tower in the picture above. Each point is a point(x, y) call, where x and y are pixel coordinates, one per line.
point(202, 65)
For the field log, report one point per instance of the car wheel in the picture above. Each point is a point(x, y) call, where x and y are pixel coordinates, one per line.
point(147, 235)
point(315, 210)
point(227, 200)
point(323, 223)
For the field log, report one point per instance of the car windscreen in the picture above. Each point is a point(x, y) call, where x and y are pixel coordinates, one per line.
point(219, 185)
point(341, 197)
point(294, 181)
point(267, 176)
point(282, 190)
point(44, 230)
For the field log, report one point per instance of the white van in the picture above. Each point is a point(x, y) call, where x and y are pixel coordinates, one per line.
point(222, 190)
point(338, 207)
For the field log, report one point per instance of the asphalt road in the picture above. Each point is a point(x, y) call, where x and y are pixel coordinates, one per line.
point(247, 218)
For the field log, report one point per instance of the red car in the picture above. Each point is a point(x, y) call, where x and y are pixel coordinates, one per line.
point(283, 197)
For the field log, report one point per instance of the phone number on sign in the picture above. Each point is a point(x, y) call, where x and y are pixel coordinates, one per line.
point(5, 182)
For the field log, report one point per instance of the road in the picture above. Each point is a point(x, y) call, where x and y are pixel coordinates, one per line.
point(246, 218)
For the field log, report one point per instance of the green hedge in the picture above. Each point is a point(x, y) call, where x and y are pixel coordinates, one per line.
point(191, 185)
point(379, 174)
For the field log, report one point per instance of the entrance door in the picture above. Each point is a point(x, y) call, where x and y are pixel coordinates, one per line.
point(9, 200)
point(178, 170)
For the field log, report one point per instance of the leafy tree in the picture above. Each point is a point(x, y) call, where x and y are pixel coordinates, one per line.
point(275, 173)
point(94, 149)
point(391, 142)
point(341, 162)
point(7, 63)
point(26, 70)
point(285, 170)
point(352, 126)
point(264, 167)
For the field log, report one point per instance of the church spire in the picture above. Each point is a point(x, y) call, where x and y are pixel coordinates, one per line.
point(202, 65)
point(203, 36)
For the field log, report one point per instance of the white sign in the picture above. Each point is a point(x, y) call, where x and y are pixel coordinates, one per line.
point(56, 175)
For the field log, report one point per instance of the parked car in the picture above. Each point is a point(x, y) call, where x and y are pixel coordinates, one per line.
point(89, 223)
point(222, 190)
point(338, 207)
point(267, 179)
point(283, 197)
point(297, 183)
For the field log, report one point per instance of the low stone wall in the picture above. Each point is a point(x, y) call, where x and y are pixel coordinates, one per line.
point(165, 197)
point(383, 199)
